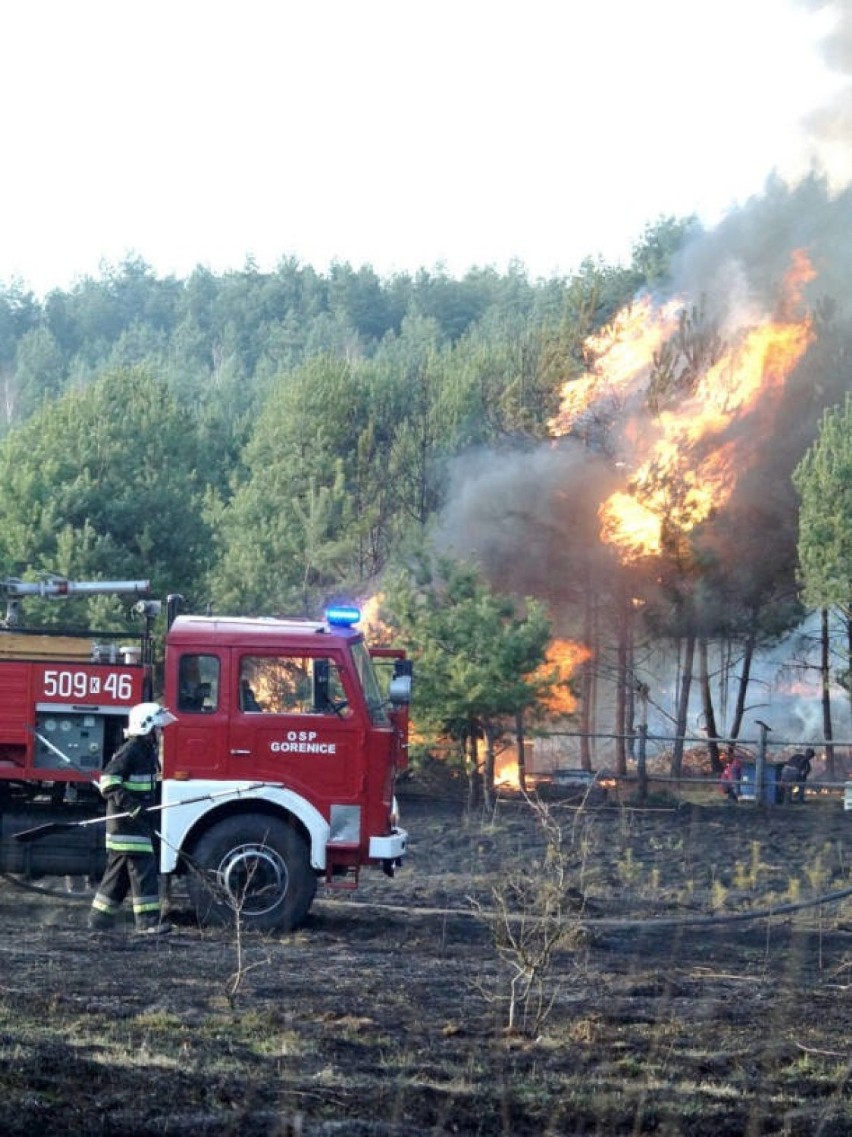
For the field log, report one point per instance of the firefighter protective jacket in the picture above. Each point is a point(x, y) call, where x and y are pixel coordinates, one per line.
point(129, 783)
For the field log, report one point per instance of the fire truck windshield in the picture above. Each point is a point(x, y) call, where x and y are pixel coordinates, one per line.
point(370, 683)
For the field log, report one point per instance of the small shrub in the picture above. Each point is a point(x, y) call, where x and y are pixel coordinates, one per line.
point(718, 895)
point(628, 870)
point(534, 913)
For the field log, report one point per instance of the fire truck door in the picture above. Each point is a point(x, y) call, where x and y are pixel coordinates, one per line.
point(297, 724)
point(199, 740)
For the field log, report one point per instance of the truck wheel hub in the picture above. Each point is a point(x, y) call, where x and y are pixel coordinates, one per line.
point(255, 878)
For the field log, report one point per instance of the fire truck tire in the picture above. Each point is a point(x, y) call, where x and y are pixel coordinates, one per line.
point(254, 866)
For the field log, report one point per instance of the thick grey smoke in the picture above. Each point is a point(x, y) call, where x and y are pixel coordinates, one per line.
point(530, 517)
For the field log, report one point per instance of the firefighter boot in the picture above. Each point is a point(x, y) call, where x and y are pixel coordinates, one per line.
point(153, 928)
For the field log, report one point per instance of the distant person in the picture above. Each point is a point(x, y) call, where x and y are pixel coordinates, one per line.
point(794, 774)
point(129, 784)
point(731, 778)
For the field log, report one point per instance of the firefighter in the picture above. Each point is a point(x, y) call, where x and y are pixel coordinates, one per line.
point(794, 774)
point(731, 778)
point(129, 784)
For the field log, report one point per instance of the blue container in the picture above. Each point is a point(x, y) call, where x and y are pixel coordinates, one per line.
point(771, 782)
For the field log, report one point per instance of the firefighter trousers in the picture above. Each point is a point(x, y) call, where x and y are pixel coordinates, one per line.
point(133, 873)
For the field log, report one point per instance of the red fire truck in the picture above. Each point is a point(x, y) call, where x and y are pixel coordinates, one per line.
point(278, 773)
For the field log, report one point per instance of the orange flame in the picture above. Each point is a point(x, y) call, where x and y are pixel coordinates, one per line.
point(683, 466)
point(376, 632)
point(506, 772)
point(620, 355)
point(563, 657)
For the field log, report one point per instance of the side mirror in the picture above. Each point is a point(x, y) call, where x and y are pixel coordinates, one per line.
point(399, 690)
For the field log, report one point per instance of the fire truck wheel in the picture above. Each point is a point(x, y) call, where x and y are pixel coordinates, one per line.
point(254, 867)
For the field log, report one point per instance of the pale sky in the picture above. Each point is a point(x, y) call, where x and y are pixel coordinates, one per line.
point(398, 133)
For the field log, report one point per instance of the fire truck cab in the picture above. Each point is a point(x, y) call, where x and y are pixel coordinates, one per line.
point(292, 716)
point(278, 772)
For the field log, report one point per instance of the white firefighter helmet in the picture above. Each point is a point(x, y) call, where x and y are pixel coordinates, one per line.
point(145, 717)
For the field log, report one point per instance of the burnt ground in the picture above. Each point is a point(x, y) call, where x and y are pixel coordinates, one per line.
point(673, 1002)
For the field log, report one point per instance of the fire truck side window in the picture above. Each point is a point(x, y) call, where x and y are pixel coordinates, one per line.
point(291, 685)
point(198, 684)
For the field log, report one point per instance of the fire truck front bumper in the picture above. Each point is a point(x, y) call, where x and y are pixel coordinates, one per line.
point(389, 850)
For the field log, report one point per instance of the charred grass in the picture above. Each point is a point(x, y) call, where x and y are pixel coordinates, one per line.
point(387, 1013)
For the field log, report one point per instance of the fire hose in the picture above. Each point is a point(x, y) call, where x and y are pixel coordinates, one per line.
point(60, 826)
point(39, 831)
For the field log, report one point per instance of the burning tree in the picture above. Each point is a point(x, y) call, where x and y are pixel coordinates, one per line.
point(692, 406)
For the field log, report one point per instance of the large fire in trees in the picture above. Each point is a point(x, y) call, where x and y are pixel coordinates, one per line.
point(680, 453)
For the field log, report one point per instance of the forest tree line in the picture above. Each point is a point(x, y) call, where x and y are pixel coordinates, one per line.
point(258, 439)
point(263, 442)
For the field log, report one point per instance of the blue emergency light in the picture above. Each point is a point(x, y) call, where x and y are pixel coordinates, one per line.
point(342, 615)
